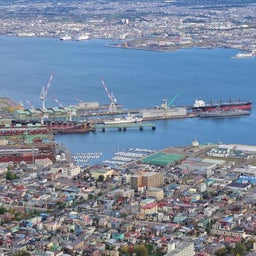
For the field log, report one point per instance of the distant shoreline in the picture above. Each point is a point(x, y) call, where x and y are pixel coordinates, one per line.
point(133, 47)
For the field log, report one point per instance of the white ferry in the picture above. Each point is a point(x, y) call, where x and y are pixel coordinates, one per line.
point(81, 37)
point(244, 55)
point(66, 37)
point(124, 120)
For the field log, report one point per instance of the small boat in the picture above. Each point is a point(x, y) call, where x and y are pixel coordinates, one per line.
point(244, 55)
point(81, 37)
point(65, 38)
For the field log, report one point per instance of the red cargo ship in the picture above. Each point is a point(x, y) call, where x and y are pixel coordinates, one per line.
point(200, 106)
point(68, 127)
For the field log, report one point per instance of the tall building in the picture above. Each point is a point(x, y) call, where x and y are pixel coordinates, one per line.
point(152, 179)
point(147, 179)
point(136, 181)
point(181, 249)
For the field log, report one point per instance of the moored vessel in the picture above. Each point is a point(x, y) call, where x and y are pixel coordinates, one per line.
point(124, 120)
point(81, 37)
point(68, 127)
point(224, 113)
point(244, 55)
point(65, 38)
point(201, 105)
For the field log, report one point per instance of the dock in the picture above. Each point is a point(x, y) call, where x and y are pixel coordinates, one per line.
point(125, 126)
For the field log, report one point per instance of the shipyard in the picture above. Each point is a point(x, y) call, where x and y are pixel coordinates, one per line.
point(28, 133)
point(145, 173)
point(85, 116)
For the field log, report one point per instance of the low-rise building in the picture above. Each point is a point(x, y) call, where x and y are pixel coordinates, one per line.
point(157, 193)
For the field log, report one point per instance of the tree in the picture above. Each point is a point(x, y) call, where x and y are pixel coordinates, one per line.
point(90, 196)
point(61, 205)
point(141, 250)
point(124, 250)
point(208, 228)
point(221, 252)
point(150, 248)
point(101, 178)
point(249, 244)
point(96, 220)
point(21, 253)
point(2, 210)
point(239, 248)
point(11, 176)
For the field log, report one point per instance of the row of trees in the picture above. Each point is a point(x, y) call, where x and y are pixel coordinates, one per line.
point(141, 250)
point(240, 249)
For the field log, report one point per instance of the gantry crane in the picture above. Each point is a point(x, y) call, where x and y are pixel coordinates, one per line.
point(44, 91)
point(112, 98)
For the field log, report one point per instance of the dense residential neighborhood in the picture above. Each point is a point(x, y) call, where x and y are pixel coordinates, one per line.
point(185, 200)
point(195, 200)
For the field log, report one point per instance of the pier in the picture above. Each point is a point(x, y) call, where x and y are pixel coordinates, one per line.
point(125, 126)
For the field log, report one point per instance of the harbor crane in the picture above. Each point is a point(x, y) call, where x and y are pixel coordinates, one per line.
point(79, 100)
point(167, 104)
point(44, 91)
point(112, 98)
point(58, 102)
point(69, 110)
point(29, 104)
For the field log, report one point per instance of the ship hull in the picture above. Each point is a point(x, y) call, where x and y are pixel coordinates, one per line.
point(69, 128)
point(246, 106)
point(224, 113)
point(123, 121)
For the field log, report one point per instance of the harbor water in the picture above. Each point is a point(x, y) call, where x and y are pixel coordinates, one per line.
point(138, 79)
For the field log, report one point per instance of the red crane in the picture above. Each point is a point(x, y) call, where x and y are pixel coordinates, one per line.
point(112, 98)
point(29, 103)
point(44, 91)
point(70, 111)
point(58, 102)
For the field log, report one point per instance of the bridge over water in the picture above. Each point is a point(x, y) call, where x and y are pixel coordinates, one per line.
point(125, 126)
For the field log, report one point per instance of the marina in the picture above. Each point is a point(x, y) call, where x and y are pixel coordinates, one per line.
point(82, 158)
point(119, 158)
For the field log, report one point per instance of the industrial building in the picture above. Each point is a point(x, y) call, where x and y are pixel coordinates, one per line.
point(56, 114)
point(162, 113)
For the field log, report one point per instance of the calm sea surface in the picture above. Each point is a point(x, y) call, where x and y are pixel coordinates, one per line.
point(137, 79)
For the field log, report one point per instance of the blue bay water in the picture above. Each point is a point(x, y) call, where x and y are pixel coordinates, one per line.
point(138, 79)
